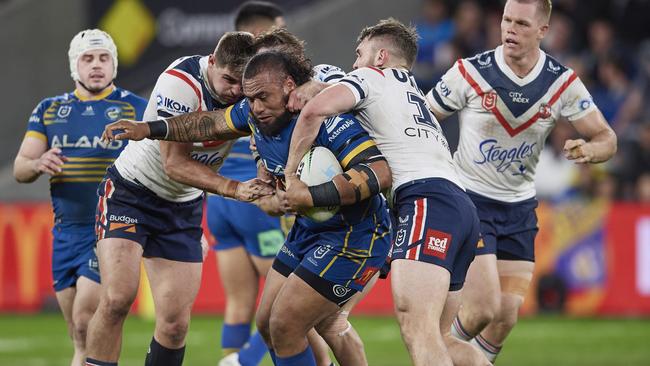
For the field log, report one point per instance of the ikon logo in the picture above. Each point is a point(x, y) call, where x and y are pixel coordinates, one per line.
point(436, 243)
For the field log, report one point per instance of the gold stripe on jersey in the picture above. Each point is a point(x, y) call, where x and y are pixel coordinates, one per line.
point(82, 172)
point(76, 180)
point(343, 251)
point(79, 166)
point(36, 134)
point(75, 159)
point(356, 151)
point(231, 125)
point(106, 92)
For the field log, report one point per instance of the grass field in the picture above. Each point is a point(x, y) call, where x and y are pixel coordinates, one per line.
point(41, 340)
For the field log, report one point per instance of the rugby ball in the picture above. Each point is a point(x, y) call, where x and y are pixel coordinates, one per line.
point(318, 166)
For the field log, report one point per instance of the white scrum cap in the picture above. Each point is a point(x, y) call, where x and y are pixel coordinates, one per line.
point(90, 39)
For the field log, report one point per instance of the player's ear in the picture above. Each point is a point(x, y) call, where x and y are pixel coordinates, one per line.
point(289, 84)
point(381, 57)
point(211, 60)
point(542, 32)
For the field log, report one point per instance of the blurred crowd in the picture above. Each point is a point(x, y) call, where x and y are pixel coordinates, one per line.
point(607, 43)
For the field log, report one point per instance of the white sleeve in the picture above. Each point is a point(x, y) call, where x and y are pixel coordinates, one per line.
point(174, 96)
point(366, 84)
point(576, 102)
point(450, 93)
point(328, 73)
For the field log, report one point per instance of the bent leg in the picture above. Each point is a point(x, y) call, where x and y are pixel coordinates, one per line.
point(174, 286)
point(119, 263)
point(515, 276)
point(420, 292)
point(297, 308)
point(481, 298)
point(460, 351)
point(65, 298)
point(86, 301)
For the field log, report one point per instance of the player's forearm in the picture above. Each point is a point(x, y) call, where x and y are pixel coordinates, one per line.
point(194, 127)
point(359, 183)
point(25, 169)
point(197, 175)
point(603, 145)
point(303, 137)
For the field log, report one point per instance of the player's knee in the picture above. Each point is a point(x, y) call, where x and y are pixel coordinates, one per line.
point(174, 330)
point(116, 306)
point(335, 325)
point(282, 328)
point(485, 313)
point(262, 324)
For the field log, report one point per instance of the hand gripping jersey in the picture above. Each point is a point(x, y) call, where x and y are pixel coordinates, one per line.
point(505, 119)
point(240, 164)
point(75, 125)
point(392, 108)
point(342, 135)
point(181, 89)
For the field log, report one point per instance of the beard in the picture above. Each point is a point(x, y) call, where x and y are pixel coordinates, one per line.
point(274, 128)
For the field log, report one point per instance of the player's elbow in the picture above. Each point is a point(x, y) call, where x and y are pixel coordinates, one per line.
point(21, 172)
point(384, 174)
point(173, 169)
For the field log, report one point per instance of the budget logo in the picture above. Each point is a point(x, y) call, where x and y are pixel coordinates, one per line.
point(436, 243)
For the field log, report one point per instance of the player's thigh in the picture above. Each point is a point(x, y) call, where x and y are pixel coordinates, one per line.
point(299, 306)
point(515, 276)
point(419, 288)
point(65, 298)
point(262, 264)
point(356, 298)
point(450, 311)
point(119, 263)
point(87, 298)
point(174, 285)
point(482, 281)
point(274, 282)
point(237, 272)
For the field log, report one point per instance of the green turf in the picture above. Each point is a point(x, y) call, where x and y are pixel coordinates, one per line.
point(41, 340)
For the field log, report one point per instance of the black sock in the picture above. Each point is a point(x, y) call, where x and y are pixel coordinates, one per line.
point(162, 356)
point(92, 362)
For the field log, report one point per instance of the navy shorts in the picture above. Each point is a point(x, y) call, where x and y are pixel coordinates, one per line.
point(235, 224)
point(336, 261)
point(73, 255)
point(165, 229)
point(436, 223)
point(507, 229)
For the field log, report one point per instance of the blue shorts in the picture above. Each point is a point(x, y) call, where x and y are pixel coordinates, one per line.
point(507, 229)
point(235, 224)
point(73, 255)
point(165, 229)
point(436, 223)
point(337, 261)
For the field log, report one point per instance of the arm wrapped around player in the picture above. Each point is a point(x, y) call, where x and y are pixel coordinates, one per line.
point(367, 175)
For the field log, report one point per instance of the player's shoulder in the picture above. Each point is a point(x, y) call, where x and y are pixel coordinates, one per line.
point(483, 60)
point(130, 97)
point(328, 73)
point(340, 125)
point(65, 98)
point(190, 65)
point(555, 67)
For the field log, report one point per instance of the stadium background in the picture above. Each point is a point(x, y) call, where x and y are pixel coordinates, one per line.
point(593, 250)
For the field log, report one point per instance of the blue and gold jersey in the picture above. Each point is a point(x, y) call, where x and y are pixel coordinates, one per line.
point(75, 126)
point(343, 135)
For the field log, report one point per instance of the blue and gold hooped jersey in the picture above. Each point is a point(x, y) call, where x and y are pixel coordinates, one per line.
point(343, 135)
point(75, 126)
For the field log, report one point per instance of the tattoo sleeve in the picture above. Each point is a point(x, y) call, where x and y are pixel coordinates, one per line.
point(200, 126)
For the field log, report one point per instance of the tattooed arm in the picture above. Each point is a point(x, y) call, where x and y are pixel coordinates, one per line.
point(194, 126)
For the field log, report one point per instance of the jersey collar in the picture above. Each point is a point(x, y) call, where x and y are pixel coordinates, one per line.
point(106, 92)
point(532, 75)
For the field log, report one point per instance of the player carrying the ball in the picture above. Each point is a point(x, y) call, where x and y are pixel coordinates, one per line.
point(323, 264)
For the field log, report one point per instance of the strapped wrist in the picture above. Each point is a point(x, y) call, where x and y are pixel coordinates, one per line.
point(158, 129)
point(230, 188)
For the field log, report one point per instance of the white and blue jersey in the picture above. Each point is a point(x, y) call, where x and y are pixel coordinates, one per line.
point(505, 119)
point(182, 88)
point(75, 125)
